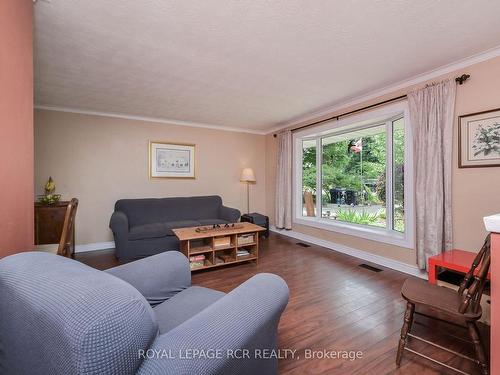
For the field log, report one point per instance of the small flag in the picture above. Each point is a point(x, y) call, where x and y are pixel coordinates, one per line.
point(356, 146)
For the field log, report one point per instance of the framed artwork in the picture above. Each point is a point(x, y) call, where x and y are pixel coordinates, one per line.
point(171, 160)
point(479, 139)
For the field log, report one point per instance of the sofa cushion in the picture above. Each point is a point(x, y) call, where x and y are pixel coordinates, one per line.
point(183, 306)
point(182, 224)
point(155, 230)
point(201, 207)
point(212, 221)
point(67, 318)
point(159, 230)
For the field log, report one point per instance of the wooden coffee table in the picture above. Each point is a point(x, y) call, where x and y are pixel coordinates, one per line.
point(219, 246)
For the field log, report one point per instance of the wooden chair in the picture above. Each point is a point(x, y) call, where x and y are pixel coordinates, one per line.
point(462, 308)
point(66, 242)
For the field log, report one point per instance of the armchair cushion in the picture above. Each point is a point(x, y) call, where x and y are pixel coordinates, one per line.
point(245, 318)
point(183, 306)
point(158, 277)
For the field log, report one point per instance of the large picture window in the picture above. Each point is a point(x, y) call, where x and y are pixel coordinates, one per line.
point(354, 176)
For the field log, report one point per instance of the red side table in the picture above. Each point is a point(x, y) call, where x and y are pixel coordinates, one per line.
point(456, 260)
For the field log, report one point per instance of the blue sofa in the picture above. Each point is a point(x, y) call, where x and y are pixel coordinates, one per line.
point(59, 316)
point(143, 227)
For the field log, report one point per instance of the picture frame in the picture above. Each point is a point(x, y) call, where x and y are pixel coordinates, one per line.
point(172, 160)
point(479, 139)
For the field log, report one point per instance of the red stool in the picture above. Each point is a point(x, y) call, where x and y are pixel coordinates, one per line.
point(456, 260)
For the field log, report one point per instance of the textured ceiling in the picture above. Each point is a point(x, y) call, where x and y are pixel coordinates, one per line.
point(250, 64)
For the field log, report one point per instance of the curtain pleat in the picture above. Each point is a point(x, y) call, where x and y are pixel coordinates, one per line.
point(431, 117)
point(284, 181)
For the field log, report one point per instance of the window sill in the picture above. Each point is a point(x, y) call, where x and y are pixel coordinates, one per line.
point(369, 233)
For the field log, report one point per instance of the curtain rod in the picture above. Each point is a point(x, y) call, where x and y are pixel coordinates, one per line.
point(460, 80)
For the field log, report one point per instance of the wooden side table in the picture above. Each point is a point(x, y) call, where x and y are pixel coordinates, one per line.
point(456, 260)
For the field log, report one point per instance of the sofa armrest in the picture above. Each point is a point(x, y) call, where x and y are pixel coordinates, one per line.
point(243, 323)
point(158, 277)
point(119, 223)
point(230, 214)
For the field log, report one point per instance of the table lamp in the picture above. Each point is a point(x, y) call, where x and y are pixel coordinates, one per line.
point(247, 176)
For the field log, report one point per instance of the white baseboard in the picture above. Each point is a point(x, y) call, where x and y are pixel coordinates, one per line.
point(369, 257)
point(94, 246)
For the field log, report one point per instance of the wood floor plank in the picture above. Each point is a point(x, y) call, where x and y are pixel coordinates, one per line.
point(334, 305)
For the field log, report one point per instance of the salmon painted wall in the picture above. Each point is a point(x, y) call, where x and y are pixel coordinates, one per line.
point(16, 126)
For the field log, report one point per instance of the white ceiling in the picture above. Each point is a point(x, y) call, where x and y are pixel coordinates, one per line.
point(250, 64)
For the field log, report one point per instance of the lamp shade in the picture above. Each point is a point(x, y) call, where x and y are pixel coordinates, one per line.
point(247, 175)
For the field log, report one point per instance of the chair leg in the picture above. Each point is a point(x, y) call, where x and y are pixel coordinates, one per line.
point(478, 347)
point(408, 320)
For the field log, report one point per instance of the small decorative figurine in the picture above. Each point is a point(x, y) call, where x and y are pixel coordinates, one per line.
point(49, 197)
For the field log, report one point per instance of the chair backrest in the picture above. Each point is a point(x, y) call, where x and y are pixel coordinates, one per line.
point(67, 235)
point(472, 286)
point(59, 316)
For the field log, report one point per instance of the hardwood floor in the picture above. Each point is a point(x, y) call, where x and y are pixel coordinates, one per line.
point(335, 305)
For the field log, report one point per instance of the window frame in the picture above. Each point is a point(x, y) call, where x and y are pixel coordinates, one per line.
point(379, 116)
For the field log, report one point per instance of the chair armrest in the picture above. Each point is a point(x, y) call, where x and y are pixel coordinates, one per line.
point(158, 277)
point(230, 214)
point(119, 223)
point(245, 319)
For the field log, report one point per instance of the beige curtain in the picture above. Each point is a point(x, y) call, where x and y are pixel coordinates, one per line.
point(284, 181)
point(431, 115)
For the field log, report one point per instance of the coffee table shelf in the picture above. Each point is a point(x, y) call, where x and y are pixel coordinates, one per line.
point(201, 250)
point(202, 242)
point(218, 248)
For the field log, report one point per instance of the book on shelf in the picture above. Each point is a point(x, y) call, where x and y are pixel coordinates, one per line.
point(242, 253)
point(194, 265)
point(197, 258)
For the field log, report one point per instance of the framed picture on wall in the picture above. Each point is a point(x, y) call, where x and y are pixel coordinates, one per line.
point(479, 139)
point(171, 160)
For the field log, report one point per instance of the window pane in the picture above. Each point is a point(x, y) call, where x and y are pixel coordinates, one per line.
point(353, 177)
point(398, 155)
point(308, 178)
